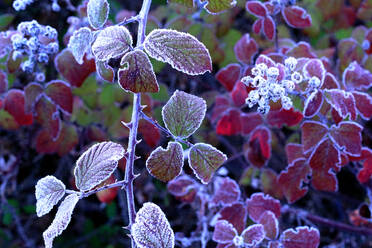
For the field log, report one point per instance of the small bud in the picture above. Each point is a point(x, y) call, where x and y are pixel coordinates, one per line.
point(290, 63)
point(273, 72)
point(296, 77)
point(314, 82)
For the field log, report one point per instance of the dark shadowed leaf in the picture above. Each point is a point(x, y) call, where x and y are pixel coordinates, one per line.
point(229, 75)
point(181, 50)
point(253, 235)
point(259, 147)
point(292, 180)
point(224, 232)
point(226, 191)
point(48, 191)
point(312, 133)
point(259, 203)
point(97, 11)
point(350, 53)
point(278, 118)
point(269, 183)
point(7, 121)
point(301, 237)
point(347, 137)
point(79, 43)
point(166, 164)
point(3, 82)
point(250, 121)
point(112, 42)
point(136, 73)
point(96, 164)
point(48, 117)
point(204, 160)
point(366, 172)
point(183, 187)
point(245, 49)
point(183, 113)
point(236, 214)
point(296, 17)
point(60, 93)
point(105, 71)
point(151, 228)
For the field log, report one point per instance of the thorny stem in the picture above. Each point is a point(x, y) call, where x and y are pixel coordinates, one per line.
point(133, 125)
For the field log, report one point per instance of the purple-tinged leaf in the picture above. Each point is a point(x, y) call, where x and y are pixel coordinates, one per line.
point(257, 26)
point(48, 191)
point(312, 133)
point(274, 244)
point(79, 43)
point(292, 180)
point(330, 82)
point(253, 235)
point(60, 93)
point(96, 164)
point(269, 27)
point(301, 49)
point(256, 8)
point(324, 163)
point(258, 203)
point(226, 191)
point(216, 6)
point(293, 152)
point(301, 237)
point(97, 11)
point(136, 73)
point(350, 53)
point(112, 42)
point(183, 113)
point(151, 228)
point(245, 49)
point(183, 187)
point(296, 17)
point(229, 75)
point(3, 82)
point(363, 103)
point(181, 50)
point(14, 104)
point(347, 136)
point(236, 214)
point(356, 78)
point(62, 219)
point(166, 164)
point(265, 60)
point(314, 68)
point(204, 160)
point(32, 93)
point(105, 71)
point(342, 101)
point(224, 232)
point(313, 104)
point(270, 224)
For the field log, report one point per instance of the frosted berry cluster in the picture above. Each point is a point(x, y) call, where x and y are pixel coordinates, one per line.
point(19, 5)
point(35, 41)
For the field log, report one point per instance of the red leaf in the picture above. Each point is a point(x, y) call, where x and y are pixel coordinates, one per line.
point(296, 17)
point(366, 172)
point(312, 133)
point(226, 191)
point(269, 27)
point(365, 153)
point(259, 203)
point(292, 180)
point(294, 152)
point(245, 49)
point(250, 121)
point(347, 136)
point(14, 104)
point(222, 103)
point(269, 183)
point(224, 232)
point(239, 94)
point(253, 235)
point(330, 82)
point(183, 187)
point(235, 214)
point(259, 149)
point(32, 93)
point(60, 93)
point(44, 143)
point(302, 49)
point(228, 75)
point(257, 26)
point(47, 116)
point(301, 237)
point(256, 8)
point(108, 195)
point(356, 78)
point(343, 102)
point(324, 163)
point(229, 124)
point(314, 68)
point(149, 132)
point(313, 104)
point(270, 223)
point(335, 116)
point(72, 71)
point(363, 103)
point(278, 118)
point(3, 82)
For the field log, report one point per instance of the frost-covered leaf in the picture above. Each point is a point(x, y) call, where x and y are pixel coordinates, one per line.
point(183, 113)
point(324, 162)
point(313, 104)
point(296, 17)
point(226, 191)
point(151, 228)
point(292, 180)
point(166, 164)
point(96, 164)
point(258, 151)
point(79, 43)
point(97, 11)
point(245, 49)
point(239, 94)
point(301, 237)
point(347, 136)
point(62, 219)
point(312, 133)
point(253, 235)
point(366, 172)
point(270, 224)
point(14, 104)
point(112, 42)
point(269, 27)
point(181, 50)
point(230, 123)
point(314, 68)
point(278, 118)
point(136, 73)
point(363, 103)
point(224, 232)
point(105, 71)
point(256, 8)
point(216, 6)
point(259, 203)
point(342, 101)
point(356, 78)
point(257, 26)
point(60, 93)
point(183, 187)
point(48, 191)
point(204, 160)
point(236, 214)
point(32, 94)
point(229, 75)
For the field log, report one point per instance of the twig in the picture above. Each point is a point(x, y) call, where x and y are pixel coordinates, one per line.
point(121, 184)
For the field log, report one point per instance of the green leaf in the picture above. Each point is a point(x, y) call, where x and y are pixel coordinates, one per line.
point(5, 20)
point(187, 3)
point(216, 6)
point(183, 114)
point(97, 11)
point(204, 160)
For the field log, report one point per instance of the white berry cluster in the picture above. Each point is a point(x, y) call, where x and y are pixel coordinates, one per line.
point(269, 88)
point(19, 5)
